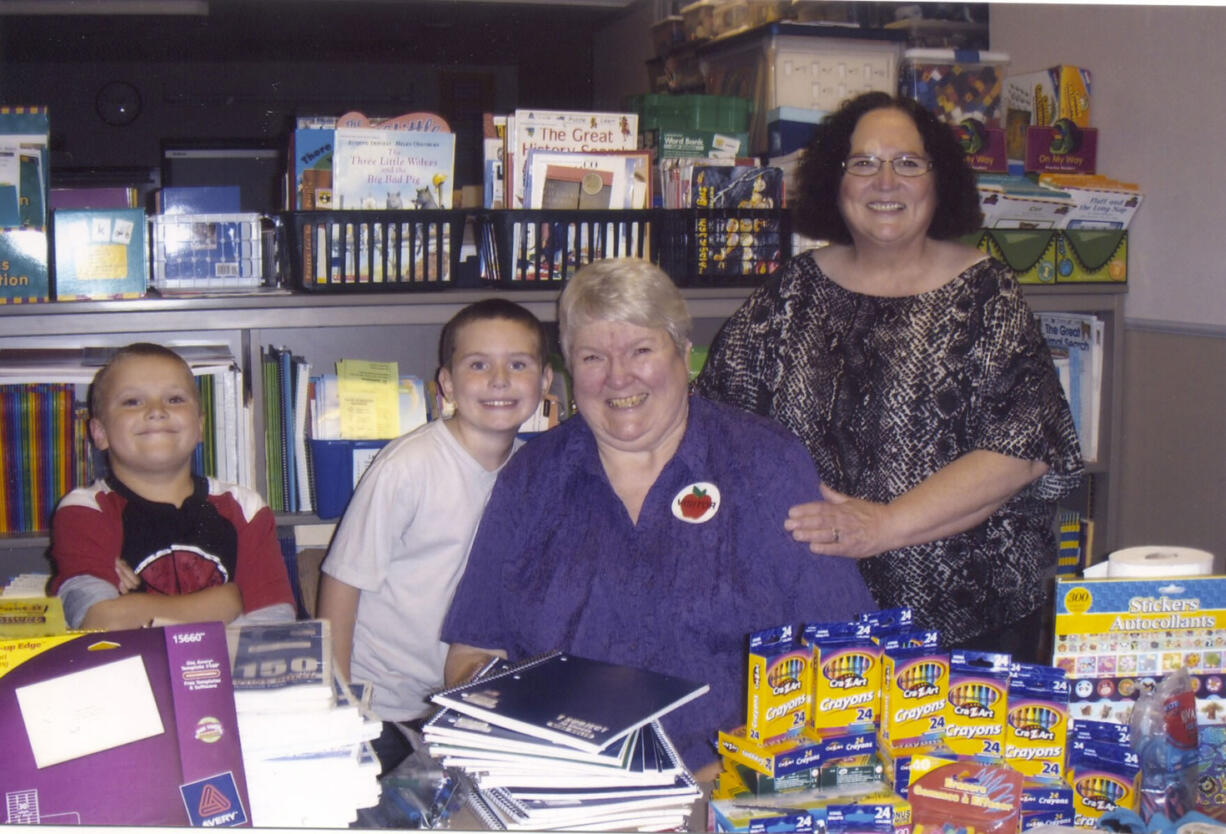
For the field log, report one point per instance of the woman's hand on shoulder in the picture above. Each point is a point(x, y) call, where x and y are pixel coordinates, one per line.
point(840, 525)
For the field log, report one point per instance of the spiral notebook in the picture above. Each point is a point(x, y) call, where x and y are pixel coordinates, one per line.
point(570, 700)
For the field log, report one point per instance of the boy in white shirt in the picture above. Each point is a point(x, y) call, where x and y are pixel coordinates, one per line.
point(402, 545)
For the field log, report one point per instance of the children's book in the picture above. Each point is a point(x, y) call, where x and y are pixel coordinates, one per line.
point(571, 700)
point(716, 185)
point(383, 168)
point(561, 130)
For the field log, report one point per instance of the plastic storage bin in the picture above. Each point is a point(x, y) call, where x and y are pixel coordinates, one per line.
point(338, 464)
point(696, 247)
point(374, 251)
point(798, 65)
point(531, 248)
point(715, 114)
point(203, 252)
point(955, 84)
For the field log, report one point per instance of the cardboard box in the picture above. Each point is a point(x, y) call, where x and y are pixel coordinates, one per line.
point(121, 728)
point(807, 750)
point(1041, 98)
point(871, 808)
point(24, 139)
point(1116, 637)
point(1010, 202)
point(100, 253)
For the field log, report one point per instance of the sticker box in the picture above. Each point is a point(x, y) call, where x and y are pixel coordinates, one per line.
point(134, 727)
point(99, 253)
point(1117, 637)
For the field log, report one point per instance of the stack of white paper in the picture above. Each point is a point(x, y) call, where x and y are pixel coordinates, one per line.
point(305, 736)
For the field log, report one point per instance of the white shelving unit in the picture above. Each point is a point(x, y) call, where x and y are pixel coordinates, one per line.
point(404, 327)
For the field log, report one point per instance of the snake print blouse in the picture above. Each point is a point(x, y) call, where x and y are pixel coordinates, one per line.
point(886, 390)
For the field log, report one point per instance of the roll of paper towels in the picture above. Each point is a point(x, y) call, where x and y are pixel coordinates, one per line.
point(1154, 561)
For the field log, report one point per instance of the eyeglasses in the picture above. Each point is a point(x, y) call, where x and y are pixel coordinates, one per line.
point(905, 165)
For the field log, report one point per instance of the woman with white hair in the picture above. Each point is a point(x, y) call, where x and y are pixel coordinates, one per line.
point(647, 530)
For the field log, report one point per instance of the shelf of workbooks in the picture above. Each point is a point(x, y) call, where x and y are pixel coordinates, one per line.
point(320, 329)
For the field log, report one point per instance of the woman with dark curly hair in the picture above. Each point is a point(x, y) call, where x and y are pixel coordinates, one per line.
point(915, 373)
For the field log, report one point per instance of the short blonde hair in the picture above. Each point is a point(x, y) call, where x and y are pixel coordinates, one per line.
point(627, 290)
point(97, 389)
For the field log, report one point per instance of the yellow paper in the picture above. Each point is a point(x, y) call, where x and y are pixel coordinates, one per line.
point(369, 399)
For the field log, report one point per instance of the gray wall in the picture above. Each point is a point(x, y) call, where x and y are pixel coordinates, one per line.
point(1157, 100)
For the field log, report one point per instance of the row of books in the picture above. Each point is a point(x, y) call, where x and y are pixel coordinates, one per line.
point(1076, 342)
point(608, 765)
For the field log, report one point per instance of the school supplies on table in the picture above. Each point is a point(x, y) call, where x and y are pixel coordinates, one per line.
point(574, 701)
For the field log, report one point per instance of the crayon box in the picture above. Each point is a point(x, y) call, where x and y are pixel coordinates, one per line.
point(976, 706)
point(1036, 732)
point(846, 675)
point(914, 688)
point(778, 685)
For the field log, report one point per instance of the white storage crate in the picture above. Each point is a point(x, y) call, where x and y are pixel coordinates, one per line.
point(799, 65)
point(201, 252)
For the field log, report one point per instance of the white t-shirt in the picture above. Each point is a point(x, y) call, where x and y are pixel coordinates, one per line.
point(403, 541)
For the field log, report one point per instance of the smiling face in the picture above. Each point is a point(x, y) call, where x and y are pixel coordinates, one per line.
point(630, 385)
point(495, 377)
point(885, 209)
point(147, 418)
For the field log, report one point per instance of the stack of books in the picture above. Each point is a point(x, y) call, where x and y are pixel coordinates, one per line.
point(305, 735)
point(564, 742)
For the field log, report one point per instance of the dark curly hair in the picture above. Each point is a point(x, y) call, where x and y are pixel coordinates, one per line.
point(817, 209)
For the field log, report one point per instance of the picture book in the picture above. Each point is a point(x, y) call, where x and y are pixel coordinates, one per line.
point(618, 179)
point(561, 130)
point(382, 168)
point(311, 161)
point(720, 185)
point(571, 700)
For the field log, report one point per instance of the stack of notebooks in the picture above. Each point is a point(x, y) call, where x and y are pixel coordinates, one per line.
point(564, 742)
point(305, 734)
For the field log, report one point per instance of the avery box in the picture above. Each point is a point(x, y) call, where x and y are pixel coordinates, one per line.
point(99, 253)
point(121, 728)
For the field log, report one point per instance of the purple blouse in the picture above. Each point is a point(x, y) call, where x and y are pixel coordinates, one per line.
point(558, 564)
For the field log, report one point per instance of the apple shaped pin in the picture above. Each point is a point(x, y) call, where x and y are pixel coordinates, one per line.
point(696, 503)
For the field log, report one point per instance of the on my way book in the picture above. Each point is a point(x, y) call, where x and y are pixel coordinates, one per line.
point(571, 700)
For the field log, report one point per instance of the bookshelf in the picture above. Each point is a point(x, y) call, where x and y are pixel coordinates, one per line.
point(404, 327)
